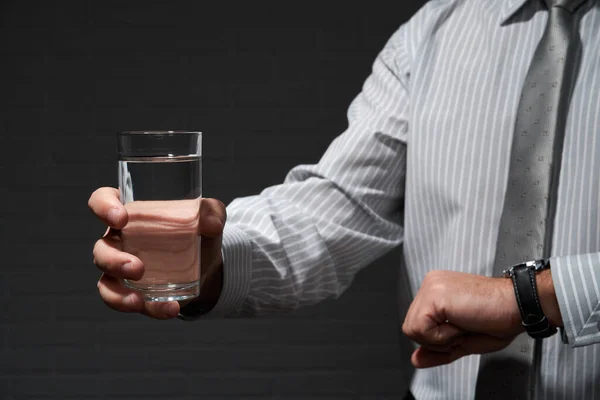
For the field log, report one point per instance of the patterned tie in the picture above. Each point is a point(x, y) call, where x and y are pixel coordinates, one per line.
point(530, 199)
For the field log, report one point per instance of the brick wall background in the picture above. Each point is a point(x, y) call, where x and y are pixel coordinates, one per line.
point(268, 83)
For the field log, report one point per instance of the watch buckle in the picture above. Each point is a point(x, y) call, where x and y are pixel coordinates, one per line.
point(537, 265)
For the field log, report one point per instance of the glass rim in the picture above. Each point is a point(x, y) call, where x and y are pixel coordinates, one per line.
point(175, 132)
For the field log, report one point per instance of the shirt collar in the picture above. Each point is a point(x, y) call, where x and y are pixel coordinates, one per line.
point(509, 8)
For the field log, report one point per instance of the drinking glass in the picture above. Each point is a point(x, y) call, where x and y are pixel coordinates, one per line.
point(160, 185)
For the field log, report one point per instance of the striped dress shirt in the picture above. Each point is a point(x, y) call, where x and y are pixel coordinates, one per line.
point(424, 164)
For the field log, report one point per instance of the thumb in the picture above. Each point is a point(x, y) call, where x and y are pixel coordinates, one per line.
point(468, 344)
point(212, 218)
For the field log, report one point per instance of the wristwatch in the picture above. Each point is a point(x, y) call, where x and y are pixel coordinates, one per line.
point(533, 319)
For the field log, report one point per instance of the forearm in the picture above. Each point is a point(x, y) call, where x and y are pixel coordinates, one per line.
point(295, 244)
point(303, 249)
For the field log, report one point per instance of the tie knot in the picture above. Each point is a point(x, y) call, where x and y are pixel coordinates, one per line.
point(569, 5)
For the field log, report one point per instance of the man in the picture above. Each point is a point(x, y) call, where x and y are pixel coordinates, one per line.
point(426, 162)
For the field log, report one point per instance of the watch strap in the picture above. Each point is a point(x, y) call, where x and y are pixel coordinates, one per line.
point(532, 315)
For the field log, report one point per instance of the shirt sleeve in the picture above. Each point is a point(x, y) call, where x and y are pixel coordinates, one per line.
point(303, 241)
point(576, 280)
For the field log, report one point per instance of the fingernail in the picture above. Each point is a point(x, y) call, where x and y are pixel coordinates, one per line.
point(113, 215)
point(127, 269)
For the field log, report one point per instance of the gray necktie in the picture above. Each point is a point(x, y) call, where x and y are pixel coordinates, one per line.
point(530, 199)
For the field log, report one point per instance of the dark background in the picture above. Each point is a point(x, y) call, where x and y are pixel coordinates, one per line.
point(269, 84)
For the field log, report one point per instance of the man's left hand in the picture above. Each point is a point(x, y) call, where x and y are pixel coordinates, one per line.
point(456, 314)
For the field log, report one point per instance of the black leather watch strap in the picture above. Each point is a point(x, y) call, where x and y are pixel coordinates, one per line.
point(533, 318)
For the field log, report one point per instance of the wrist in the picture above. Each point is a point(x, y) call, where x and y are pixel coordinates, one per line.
point(510, 300)
point(548, 299)
point(211, 286)
point(535, 297)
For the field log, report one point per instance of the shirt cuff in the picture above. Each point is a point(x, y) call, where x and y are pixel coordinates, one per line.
point(574, 279)
point(237, 271)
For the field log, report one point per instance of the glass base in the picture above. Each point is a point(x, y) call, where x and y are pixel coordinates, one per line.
point(166, 292)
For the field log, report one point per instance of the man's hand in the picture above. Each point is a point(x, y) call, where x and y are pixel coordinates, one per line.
point(456, 314)
point(117, 265)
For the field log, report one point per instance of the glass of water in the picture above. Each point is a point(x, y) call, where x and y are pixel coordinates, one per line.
point(160, 184)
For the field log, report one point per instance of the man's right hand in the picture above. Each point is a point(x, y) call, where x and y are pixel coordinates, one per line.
point(117, 265)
